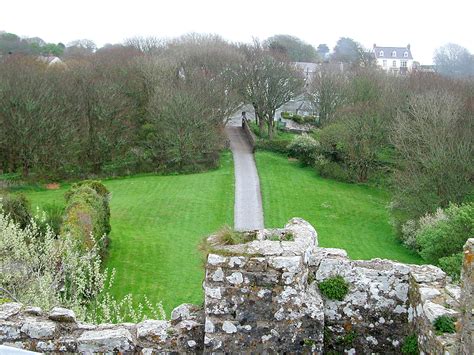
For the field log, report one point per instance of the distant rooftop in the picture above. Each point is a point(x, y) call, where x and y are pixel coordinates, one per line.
point(392, 52)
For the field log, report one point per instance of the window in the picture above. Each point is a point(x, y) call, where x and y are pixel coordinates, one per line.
point(385, 62)
point(394, 53)
point(405, 54)
point(403, 63)
point(394, 63)
point(381, 54)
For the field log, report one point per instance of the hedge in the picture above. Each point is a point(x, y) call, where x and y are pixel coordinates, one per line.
point(276, 146)
point(87, 214)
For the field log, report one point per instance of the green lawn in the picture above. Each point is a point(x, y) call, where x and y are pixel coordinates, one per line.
point(157, 223)
point(348, 216)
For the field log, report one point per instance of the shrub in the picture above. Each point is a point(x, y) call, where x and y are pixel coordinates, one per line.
point(304, 148)
point(87, 214)
point(331, 170)
point(52, 271)
point(410, 345)
point(452, 265)
point(52, 217)
point(276, 146)
point(444, 324)
point(445, 236)
point(334, 288)
point(102, 191)
point(17, 207)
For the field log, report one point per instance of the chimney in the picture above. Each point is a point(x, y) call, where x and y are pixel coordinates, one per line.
point(375, 45)
point(408, 46)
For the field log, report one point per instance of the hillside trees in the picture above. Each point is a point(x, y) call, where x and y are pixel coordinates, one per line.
point(33, 105)
point(433, 138)
point(118, 109)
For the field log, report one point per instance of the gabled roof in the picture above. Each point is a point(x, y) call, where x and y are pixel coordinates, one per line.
point(387, 51)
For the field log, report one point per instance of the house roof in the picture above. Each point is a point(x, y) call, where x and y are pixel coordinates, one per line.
point(387, 52)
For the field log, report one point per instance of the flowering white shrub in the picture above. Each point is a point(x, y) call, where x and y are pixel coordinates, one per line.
point(39, 268)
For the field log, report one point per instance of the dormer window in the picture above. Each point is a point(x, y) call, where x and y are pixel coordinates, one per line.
point(381, 54)
point(405, 54)
point(394, 54)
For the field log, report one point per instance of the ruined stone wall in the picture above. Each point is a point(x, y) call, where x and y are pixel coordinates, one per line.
point(58, 331)
point(264, 296)
point(257, 295)
point(467, 300)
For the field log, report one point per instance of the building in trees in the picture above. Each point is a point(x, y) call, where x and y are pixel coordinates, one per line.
point(395, 60)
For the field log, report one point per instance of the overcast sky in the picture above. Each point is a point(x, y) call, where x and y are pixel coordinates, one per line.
point(425, 24)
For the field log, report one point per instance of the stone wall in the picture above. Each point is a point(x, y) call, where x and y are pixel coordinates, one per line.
point(257, 294)
point(467, 300)
point(249, 134)
point(58, 331)
point(264, 296)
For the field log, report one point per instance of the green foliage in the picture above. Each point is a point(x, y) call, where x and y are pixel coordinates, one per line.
point(347, 339)
point(51, 271)
point(304, 148)
point(445, 237)
point(334, 288)
point(276, 146)
point(292, 47)
point(452, 265)
point(17, 207)
point(410, 345)
point(52, 217)
point(298, 118)
point(87, 214)
point(228, 236)
point(444, 324)
point(331, 170)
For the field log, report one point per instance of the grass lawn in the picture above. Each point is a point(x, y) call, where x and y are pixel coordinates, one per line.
point(157, 223)
point(347, 216)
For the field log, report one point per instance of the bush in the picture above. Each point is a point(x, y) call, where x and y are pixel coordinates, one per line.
point(87, 214)
point(304, 148)
point(276, 146)
point(51, 271)
point(445, 324)
point(452, 265)
point(331, 170)
point(334, 288)
point(17, 207)
point(410, 345)
point(52, 217)
point(445, 236)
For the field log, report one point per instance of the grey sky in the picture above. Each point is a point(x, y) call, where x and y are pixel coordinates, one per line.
point(424, 24)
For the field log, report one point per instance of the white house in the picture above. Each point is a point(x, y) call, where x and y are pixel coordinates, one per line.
point(396, 60)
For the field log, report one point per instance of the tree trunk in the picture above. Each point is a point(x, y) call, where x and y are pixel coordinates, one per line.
point(270, 129)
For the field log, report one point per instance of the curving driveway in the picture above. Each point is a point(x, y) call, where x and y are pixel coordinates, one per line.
point(248, 212)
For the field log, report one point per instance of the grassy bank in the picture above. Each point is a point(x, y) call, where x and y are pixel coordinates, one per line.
point(348, 216)
point(157, 223)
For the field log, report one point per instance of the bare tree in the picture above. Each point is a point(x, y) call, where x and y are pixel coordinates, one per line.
point(454, 60)
point(434, 142)
point(327, 92)
point(267, 83)
point(146, 45)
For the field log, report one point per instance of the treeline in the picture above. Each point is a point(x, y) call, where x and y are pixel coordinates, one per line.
point(414, 135)
point(143, 106)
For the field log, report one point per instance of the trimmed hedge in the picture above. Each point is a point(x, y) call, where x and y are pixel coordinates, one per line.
point(276, 146)
point(87, 214)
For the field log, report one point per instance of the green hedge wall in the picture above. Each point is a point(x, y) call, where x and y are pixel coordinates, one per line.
point(87, 214)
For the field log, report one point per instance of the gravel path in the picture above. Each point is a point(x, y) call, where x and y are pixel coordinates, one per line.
point(248, 212)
